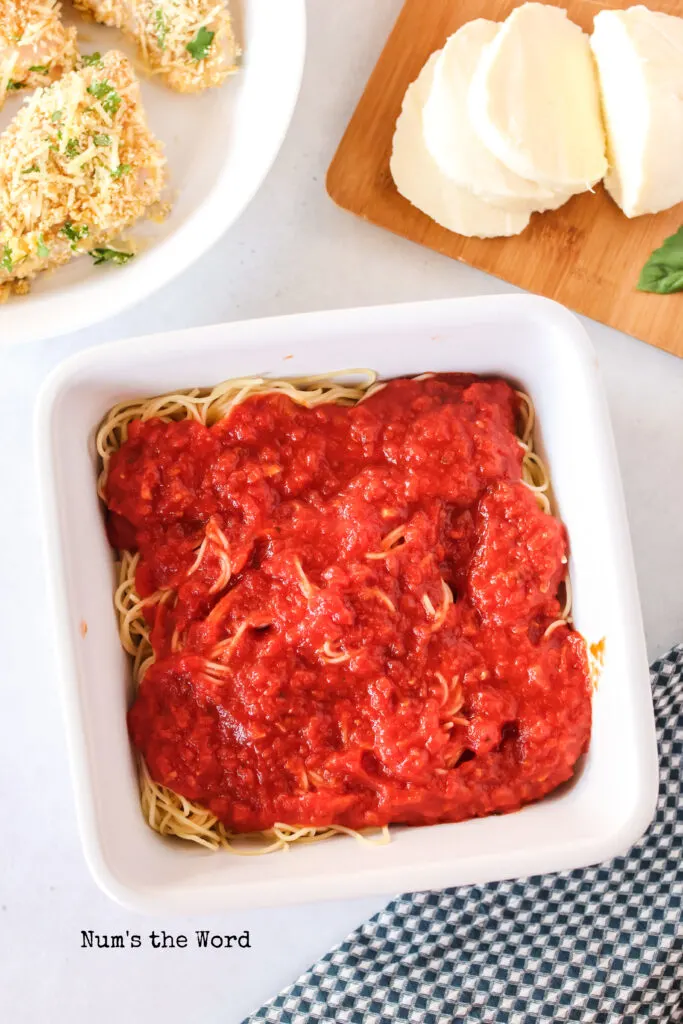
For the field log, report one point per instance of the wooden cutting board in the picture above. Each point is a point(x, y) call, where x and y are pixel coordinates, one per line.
point(586, 255)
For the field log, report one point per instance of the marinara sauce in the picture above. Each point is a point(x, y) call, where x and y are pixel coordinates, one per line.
point(355, 623)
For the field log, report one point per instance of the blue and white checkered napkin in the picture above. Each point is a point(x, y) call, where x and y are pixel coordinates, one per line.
point(602, 945)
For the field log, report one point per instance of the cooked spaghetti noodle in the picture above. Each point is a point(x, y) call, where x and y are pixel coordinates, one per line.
point(166, 811)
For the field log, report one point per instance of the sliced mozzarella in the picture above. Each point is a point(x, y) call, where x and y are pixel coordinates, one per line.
point(640, 63)
point(418, 178)
point(534, 100)
point(450, 136)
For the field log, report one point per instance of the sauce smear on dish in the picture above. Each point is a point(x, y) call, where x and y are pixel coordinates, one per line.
point(350, 610)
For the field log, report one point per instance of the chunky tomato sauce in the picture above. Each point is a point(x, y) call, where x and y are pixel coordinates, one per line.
point(311, 666)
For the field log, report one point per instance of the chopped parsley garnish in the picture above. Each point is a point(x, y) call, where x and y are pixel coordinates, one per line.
point(57, 116)
point(199, 47)
point(121, 170)
point(40, 69)
point(111, 101)
point(34, 169)
point(7, 262)
point(91, 59)
point(111, 256)
point(71, 148)
point(75, 233)
point(161, 27)
point(102, 140)
point(15, 85)
point(41, 248)
point(99, 89)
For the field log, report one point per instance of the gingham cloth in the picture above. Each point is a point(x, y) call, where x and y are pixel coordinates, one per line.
point(602, 945)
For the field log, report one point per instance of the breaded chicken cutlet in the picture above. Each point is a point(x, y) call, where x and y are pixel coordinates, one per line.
point(190, 42)
point(35, 47)
point(78, 164)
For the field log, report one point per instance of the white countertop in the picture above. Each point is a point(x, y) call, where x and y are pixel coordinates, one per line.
point(292, 251)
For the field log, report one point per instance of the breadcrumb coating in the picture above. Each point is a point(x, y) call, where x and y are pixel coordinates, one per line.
point(78, 164)
point(35, 47)
point(189, 42)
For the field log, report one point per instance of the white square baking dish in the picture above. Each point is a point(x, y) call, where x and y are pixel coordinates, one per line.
point(533, 341)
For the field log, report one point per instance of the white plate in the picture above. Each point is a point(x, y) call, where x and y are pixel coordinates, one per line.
point(219, 146)
point(531, 340)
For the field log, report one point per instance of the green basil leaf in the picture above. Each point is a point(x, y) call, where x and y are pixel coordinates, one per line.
point(663, 272)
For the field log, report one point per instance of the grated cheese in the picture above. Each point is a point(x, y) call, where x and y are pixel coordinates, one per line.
point(35, 47)
point(60, 193)
point(163, 29)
